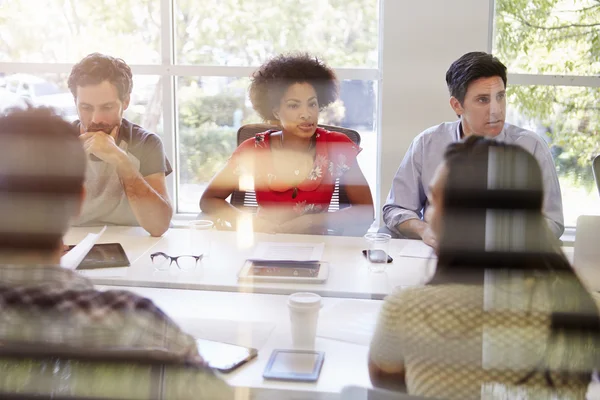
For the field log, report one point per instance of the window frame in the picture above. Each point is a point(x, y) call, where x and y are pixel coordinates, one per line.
point(169, 71)
point(521, 79)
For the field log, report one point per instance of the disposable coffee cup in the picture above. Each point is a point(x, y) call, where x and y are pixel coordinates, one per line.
point(304, 314)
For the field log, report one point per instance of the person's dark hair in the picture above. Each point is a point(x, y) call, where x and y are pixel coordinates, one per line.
point(484, 176)
point(96, 68)
point(470, 67)
point(272, 79)
point(42, 164)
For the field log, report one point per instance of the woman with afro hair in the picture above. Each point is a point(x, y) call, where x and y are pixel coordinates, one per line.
point(293, 168)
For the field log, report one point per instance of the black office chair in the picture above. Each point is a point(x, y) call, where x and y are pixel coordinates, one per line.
point(596, 170)
point(247, 199)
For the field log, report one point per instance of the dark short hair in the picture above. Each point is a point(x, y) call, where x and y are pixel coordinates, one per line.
point(470, 67)
point(42, 164)
point(96, 68)
point(273, 78)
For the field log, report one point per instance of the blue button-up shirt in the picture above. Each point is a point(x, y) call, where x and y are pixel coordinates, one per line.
point(410, 189)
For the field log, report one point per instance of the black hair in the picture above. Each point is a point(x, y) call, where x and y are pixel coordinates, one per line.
point(96, 68)
point(465, 255)
point(470, 67)
point(272, 79)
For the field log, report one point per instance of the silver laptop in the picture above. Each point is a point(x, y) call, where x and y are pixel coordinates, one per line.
point(586, 258)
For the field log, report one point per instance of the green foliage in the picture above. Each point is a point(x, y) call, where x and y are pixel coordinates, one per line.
point(207, 132)
point(248, 32)
point(212, 32)
point(204, 151)
point(556, 37)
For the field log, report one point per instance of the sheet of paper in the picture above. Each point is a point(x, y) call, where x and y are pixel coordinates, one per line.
point(349, 321)
point(243, 333)
point(75, 256)
point(104, 272)
point(274, 251)
point(416, 249)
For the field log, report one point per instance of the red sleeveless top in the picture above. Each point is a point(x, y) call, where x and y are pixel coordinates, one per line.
point(335, 154)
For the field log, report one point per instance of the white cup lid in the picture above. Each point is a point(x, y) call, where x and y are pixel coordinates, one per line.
point(201, 224)
point(304, 300)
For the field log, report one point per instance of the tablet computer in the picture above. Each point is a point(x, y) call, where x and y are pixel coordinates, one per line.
point(105, 255)
point(284, 271)
point(222, 356)
point(294, 365)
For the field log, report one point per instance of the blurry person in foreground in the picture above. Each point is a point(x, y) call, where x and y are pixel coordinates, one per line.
point(504, 314)
point(42, 304)
point(477, 85)
point(293, 168)
point(126, 173)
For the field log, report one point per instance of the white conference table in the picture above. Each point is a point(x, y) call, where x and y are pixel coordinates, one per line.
point(349, 276)
point(262, 321)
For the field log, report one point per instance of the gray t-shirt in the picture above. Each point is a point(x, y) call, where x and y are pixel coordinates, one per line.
point(105, 200)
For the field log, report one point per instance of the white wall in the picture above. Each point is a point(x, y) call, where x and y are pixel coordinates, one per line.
point(414, 95)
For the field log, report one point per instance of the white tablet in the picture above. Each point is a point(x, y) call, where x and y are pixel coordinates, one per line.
point(294, 365)
point(284, 271)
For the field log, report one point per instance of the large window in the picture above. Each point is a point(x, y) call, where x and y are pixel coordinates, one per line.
point(552, 50)
point(191, 61)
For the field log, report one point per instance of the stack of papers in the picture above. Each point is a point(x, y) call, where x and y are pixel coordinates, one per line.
point(75, 256)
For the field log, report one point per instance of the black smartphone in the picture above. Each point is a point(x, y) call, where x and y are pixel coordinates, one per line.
point(377, 256)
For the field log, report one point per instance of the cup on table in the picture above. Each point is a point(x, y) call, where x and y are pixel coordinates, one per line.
point(378, 248)
point(304, 314)
point(200, 237)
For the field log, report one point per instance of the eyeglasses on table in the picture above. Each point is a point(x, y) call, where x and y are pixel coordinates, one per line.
point(162, 261)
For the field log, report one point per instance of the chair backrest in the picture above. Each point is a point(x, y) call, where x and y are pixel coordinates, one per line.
point(63, 372)
point(247, 199)
point(596, 169)
point(586, 257)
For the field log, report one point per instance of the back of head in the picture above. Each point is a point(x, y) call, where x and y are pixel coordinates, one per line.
point(469, 68)
point(96, 68)
point(493, 231)
point(492, 212)
point(494, 193)
point(43, 169)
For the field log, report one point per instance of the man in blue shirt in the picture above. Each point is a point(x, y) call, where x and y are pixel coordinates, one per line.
point(477, 85)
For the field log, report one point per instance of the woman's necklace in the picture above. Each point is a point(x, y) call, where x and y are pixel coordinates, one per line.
point(299, 163)
point(297, 170)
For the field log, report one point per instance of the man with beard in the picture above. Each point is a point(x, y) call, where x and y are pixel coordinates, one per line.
point(127, 168)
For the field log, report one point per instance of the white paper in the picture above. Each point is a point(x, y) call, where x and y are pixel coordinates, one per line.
point(75, 256)
point(274, 251)
point(118, 272)
point(349, 321)
point(242, 333)
point(416, 249)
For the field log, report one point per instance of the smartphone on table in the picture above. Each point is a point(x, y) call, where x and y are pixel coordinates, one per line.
point(224, 357)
